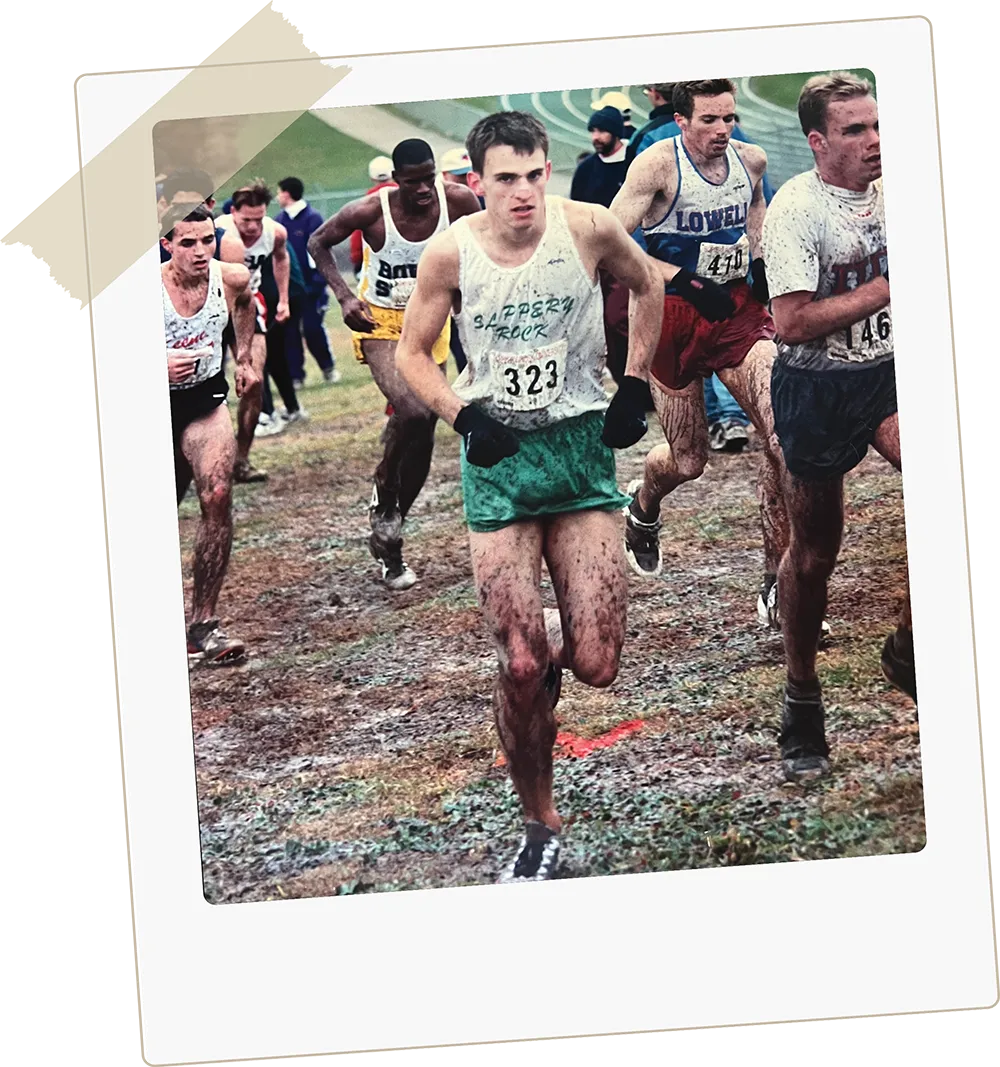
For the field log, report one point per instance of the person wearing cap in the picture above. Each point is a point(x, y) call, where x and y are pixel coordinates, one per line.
point(455, 167)
point(380, 172)
point(620, 100)
point(599, 177)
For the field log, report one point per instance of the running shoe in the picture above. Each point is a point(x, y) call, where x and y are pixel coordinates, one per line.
point(208, 644)
point(299, 415)
point(269, 425)
point(244, 473)
point(642, 539)
point(897, 663)
point(735, 436)
point(386, 542)
point(804, 751)
point(332, 376)
point(298, 383)
point(717, 437)
point(537, 857)
point(767, 609)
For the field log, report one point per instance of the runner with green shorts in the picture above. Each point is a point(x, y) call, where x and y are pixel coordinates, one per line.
point(538, 473)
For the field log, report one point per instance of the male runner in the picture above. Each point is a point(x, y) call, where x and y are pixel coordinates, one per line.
point(538, 475)
point(833, 386)
point(396, 225)
point(701, 204)
point(200, 296)
point(252, 238)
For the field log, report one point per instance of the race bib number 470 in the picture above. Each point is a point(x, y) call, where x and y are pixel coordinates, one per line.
point(724, 263)
point(862, 341)
point(526, 381)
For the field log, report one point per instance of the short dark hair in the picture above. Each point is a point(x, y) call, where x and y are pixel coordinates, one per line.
point(816, 94)
point(682, 98)
point(665, 89)
point(515, 129)
point(256, 194)
point(183, 213)
point(292, 186)
point(411, 153)
point(187, 181)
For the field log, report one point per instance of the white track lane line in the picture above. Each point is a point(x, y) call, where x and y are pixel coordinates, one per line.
point(767, 105)
point(536, 103)
point(572, 108)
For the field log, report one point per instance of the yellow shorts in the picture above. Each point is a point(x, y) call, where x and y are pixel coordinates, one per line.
point(389, 327)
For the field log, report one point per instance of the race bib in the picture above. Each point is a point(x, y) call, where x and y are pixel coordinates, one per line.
point(724, 263)
point(862, 341)
point(402, 290)
point(526, 381)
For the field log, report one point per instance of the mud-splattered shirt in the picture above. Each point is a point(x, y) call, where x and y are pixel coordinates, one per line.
point(534, 334)
point(826, 240)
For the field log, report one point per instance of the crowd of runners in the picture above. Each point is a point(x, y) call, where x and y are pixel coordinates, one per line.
point(570, 320)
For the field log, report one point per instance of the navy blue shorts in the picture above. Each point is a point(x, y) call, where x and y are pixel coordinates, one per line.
point(825, 420)
point(188, 405)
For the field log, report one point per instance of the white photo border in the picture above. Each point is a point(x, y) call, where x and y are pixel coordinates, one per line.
point(892, 934)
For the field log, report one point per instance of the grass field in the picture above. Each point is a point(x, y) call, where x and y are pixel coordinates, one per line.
point(784, 89)
point(324, 158)
point(355, 750)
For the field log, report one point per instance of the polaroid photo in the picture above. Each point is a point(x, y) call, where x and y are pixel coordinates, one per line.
point(522, 536)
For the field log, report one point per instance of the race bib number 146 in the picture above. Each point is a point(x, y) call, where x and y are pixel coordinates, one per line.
point(871, 338)
point(526, 381)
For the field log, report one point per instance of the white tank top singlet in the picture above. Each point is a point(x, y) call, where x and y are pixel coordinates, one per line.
point(533, 335)
point(389, 276)
point(254, 256)
point(202, 331)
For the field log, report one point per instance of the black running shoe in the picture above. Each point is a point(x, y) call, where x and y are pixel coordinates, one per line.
point(208, 644)
point(536, 859)
point(386, 542)
point(642, 539)
point(804, 750)
point(897, 663)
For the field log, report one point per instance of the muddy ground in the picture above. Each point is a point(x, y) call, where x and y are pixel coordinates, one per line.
point(355, 750)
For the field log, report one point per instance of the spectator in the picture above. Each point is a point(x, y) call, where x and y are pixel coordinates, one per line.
point(624, 105)
point(456, 167)
point(380, 172)
point(599, 177)
point(659, 97)
point(306, 314)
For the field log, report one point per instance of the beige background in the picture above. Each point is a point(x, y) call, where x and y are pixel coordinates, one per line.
point(69, 940)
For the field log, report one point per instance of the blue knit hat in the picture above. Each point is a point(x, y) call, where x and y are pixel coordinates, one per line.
point(608, 119)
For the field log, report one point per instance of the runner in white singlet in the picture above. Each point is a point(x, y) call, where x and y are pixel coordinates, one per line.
point(396, 226)
point(833, 387)
point(252, 238)
point(200, 297)
point(538, 471)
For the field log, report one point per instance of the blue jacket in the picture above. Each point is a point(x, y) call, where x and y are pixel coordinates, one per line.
point(300, 229)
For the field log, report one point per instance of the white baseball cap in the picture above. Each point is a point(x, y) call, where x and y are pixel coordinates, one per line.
point(456, 161)
point(380, 169)
point(616, 99)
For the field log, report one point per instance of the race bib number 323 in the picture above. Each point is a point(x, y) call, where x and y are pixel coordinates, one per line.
point(526, 381)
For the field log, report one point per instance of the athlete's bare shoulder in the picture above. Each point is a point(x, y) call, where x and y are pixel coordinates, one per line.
point(439, 261)
point(754, 157)
point(587, 222)
point(231, 248)
point(235, 276)
point(461, 200)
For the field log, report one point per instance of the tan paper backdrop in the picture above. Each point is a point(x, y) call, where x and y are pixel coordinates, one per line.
point(69, 943)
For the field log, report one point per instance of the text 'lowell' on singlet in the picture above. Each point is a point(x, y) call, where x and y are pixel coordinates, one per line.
point(534, 334)
point(389, 276)
point(200, 332)
point(705, 229)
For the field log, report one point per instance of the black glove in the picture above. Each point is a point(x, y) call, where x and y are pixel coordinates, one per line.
point(758, 281)
point(625, 419)
point(486, 440)
point(711, 301)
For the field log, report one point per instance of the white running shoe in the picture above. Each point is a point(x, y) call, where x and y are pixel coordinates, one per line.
point(332, 376)
point(296, 416)
point(269, 425)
